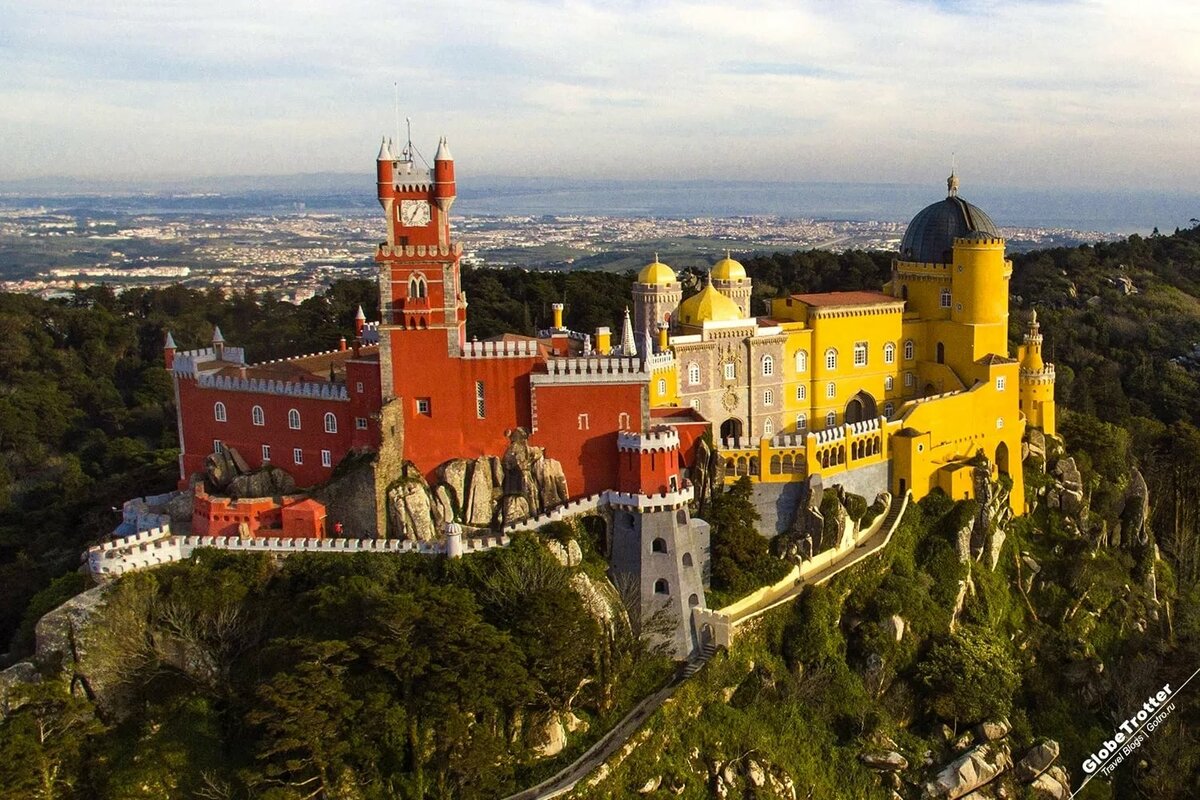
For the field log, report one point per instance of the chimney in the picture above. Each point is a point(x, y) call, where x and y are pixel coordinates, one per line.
point(218, 343)
point(169, 351)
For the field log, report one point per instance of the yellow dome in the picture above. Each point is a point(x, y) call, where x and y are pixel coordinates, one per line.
point(728, 270)
point(656, 273)
point(708, 305)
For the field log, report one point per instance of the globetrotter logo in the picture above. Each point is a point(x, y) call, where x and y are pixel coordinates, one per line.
point(1131, 733)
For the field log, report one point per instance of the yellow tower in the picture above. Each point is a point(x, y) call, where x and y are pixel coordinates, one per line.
point(1036, 381)
point(979, 293)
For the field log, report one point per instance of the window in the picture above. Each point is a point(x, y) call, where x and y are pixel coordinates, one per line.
point(360, 423)
point(326, 458)
point(218, 446)
point(480, 403)
point(662, 386)
point(661, 586)
point(330, 422)
point(423, 406)
point(693, 599)
point(1001, 382)
point(266, 453)
point(831, 359)
point(945, 298)
point(358, 387)
point(693, 373)
point(999, 423)
point(768, 365)
point(768, 427)
point(659, 545)
point(889, 383)
point(801, 392)
point(831, 390)
point(294, 419)
point(696, 403)
point(909, 380)
point(860, 354)
point(297, 455)
point(219, 412)
point(687, 561)
point(889, 409)
point(801, 422)
point(831, 419)
point(910, 350)
point(730, 371)
point(768, 398)
point(584, 422)
point(257, 416)
point(801, 361)
point(889, 353)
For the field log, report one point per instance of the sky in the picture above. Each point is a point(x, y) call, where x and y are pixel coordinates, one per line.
point(1024, 94)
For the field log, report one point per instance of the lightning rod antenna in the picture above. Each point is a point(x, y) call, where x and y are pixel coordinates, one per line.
point(396, 91)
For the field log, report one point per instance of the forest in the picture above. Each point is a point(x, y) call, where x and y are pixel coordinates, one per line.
point(414, 678)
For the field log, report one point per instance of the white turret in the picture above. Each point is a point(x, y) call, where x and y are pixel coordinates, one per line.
point(443, 151)
point(385, 151)
point(628, 343)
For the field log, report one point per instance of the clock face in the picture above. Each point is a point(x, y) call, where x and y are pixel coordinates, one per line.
point(414, 213)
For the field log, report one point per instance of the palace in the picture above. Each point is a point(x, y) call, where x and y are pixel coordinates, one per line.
point(895, 390)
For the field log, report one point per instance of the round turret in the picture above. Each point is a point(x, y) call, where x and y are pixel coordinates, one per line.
point(931, 234)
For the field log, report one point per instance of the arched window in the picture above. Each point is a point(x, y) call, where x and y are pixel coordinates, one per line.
point(860, 354)
point(659, 545)
point(768, 397)
point(330, 422)
point(294, 419)
point(831, 390)
point(687, 559)
point(831, 419)
point(693, 373)
point(661, 586)
point(802, 422)
point(768, 365)
point(257, 417)
point(662, 386)
point(889, 409)
point(910, 350)
point(768, 427)
point(801, 361)
point(801, 392)
point(417, 286)
point(889, 353)
point(945, 298)
point(219, 411)
point(831, 359)
point(694, 600)
point(909, 379)
point(889, 383)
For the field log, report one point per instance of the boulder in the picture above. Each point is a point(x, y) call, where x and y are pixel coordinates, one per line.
point(995, 546)
point(479, 507)
point(554, 738)
point(992, 730)
point(1053, 783)
point(269, 481)
point(514, 508)
point(1135, 510)
point(443, 506)
point(409, 510)
point(972, 769)
point(453, 474)
point(651, 785)
point(1035, 441)
point(1039, 759)
point(12, 682)
point(886, 761)
point(895, 625)
point(573, 723)
point(756, 773)
point(551, 483)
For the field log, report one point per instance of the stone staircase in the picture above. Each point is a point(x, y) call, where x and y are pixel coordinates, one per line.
point(697, 662)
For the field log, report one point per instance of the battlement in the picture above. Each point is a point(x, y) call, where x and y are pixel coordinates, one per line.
point(577, 336)
point(187, 363)
point(569, 509)
point(518, 349)
point(1043, 375)
point(309, 389)
point(594, 369)
point(410, 251)
point(652, 502)
point(660, 361)
point(979, 241)
point(661, 438)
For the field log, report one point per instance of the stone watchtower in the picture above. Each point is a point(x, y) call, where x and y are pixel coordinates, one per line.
point(658, 550)
point(655, 297)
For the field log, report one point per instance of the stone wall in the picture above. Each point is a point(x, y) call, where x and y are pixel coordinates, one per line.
point(776, 502)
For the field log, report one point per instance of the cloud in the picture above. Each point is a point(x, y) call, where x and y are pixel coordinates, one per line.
point(1030, 93)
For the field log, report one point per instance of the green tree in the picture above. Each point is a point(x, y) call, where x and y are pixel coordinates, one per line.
point(970, 676)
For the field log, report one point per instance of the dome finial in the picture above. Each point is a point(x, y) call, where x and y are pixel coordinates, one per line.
point(952, 185)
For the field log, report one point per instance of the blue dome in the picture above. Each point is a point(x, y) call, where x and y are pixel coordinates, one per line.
point(931, 234)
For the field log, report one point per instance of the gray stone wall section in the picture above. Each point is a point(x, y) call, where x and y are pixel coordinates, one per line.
point(776, 502)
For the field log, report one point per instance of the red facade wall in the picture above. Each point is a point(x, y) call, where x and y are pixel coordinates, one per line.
point(263, 517)
point(648, 472)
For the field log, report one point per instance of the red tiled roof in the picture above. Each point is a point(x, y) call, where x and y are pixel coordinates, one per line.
point(845, 299)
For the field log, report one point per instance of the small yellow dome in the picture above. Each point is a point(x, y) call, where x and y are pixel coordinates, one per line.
point(708, 305)
point(728, 270)
point(656, 273)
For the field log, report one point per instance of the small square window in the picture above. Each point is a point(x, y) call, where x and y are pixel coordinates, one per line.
point(360, 423)
point(730, 371)
point(1001, 382)
point(423, 406)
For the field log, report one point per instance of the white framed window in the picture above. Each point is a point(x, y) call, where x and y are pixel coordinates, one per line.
point(889, 353)
point(831, 419)
point(218, 446)
point(946, 301)
point(860, 354)
point(999, 423)
point(802, 392)
point(294, 419)
point(693, 373)
point(768, 427)
point(423, 406)
point(889, 409)
point(297, 455)
point(480, 401)
point(266, 453)
point(1001, 382)
point(801, 422)
point(801, 361)
point(768, 365)
point(358, 387)
point(330, 422)
point(219, 411)
point(831, 359)
point(831, 390)
point(662, 386)
point(326, 458)
point(730, 371)
point(360, 423)
point(696, 403)
point(910, 350)
point(910, 380)
point(257, 416)
point(768, 397)
point(889, 383)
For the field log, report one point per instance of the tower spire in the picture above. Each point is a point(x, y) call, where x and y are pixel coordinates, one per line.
point(628, 343)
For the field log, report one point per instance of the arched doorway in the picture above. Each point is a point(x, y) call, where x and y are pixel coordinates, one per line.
point(930, 390)
point(861, 407)
point(731, 428)
point(1002, 457)
point(941, 353)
